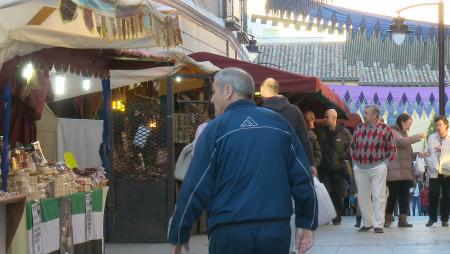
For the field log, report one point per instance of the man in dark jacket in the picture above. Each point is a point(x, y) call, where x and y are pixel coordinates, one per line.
point(240, 153)
point(274, 101)
point(334, 140)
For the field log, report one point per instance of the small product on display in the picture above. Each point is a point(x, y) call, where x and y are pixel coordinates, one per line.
point(34, 177)
point(5, 195)
point(38, 155)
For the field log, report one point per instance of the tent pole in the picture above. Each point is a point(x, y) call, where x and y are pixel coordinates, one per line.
point(105, 147)
point(5, 151)
point(170, 146)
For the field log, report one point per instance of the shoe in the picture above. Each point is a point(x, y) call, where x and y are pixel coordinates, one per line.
point(378, 230)
point(430, 223)
point(364, 229)
point(358, 222)
point(337, 221)
point(445, 223)
point(403, 222)
point(388, 219)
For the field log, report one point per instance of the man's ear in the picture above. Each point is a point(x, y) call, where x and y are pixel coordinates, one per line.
point(228, 92)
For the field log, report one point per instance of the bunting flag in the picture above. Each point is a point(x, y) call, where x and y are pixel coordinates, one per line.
point(112, 21)
point(368, 39)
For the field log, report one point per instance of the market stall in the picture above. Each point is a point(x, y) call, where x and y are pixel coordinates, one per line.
point(41, 43)
point(309, 93)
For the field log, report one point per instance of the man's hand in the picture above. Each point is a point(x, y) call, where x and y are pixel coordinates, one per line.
point(313, 171)
point(304, 240)
point(178, 249)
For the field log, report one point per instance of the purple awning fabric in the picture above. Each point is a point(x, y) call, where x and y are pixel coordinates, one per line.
point(392, 100)
point(372, 94)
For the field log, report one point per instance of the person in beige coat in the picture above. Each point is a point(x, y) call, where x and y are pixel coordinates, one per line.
point(400, 173)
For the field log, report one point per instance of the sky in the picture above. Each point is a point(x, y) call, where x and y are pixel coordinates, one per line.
point(382, 7)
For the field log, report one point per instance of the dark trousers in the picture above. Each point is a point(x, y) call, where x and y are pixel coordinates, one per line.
point(398, 190)
point(336, 185)
point(251, 238)
point(436, 184)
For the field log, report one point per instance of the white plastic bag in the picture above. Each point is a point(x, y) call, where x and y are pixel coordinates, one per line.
point(183, 162)
point(419, 166)
point(324, 203)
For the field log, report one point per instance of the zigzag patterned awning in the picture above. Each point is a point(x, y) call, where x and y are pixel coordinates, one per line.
point(340, 18)
point(366, 33)
point(392, 99)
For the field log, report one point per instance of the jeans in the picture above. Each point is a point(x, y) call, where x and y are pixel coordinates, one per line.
point(415, 203)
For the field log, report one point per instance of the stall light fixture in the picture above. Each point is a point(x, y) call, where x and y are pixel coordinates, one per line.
point(153, 123)
point(28, 71)
point(118, 105)
point(60, 84)
point(86, 84)
point(178, 79)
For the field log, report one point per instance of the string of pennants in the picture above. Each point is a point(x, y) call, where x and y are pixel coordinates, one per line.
point(334, 17)
point(392, 100)
point(367, 37)
point(121, 22)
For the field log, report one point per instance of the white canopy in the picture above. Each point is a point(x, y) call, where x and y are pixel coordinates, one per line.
point(18, 37)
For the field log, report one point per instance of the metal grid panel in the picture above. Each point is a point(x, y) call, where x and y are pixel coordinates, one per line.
point(140, 141)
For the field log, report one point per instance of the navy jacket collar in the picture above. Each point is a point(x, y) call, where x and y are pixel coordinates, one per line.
point(240, 103)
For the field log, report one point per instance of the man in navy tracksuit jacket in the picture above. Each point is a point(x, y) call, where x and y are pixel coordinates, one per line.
point(248, 163)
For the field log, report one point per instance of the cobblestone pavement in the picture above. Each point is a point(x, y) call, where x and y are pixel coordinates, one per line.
point(342, 239)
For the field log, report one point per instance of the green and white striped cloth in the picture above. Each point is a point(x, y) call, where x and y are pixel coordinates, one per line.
point(50, 223)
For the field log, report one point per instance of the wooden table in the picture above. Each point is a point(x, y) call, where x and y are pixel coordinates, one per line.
point(11, 211)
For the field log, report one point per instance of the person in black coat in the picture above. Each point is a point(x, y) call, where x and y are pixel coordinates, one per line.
point(276, 102)
point(334, 170)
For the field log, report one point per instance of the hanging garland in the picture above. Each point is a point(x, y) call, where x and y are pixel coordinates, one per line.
point(112, 21)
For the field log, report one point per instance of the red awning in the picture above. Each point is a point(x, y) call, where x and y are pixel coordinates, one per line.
point(307, 92)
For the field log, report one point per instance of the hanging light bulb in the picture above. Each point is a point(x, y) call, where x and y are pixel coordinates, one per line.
point(86, 84)
point(178, 79)
point(28, 71)
point(59, 84)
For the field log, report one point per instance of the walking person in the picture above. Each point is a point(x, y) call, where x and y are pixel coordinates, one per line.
point(415, 197)
point(317, 153)
point(247, 164)
point(373, 147)
point(424, 201)
point(400, 174)
point(334, 140)
point(438, 183)
point(273, 100)
point(310, 117)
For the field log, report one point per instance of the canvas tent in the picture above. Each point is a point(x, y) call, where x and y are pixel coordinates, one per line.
point(38, 35)
point(307, 92)
point(39, 25)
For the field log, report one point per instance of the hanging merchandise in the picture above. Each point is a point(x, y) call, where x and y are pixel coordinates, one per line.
point(113, 21)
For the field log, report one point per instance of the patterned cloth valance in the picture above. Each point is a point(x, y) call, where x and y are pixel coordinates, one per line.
point(113, 21)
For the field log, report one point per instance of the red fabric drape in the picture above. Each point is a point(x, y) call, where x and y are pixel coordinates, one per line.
point(26, 112)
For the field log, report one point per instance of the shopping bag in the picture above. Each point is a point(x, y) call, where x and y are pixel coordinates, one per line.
point(324, 203)
point(183, 162)
point(419, 166)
